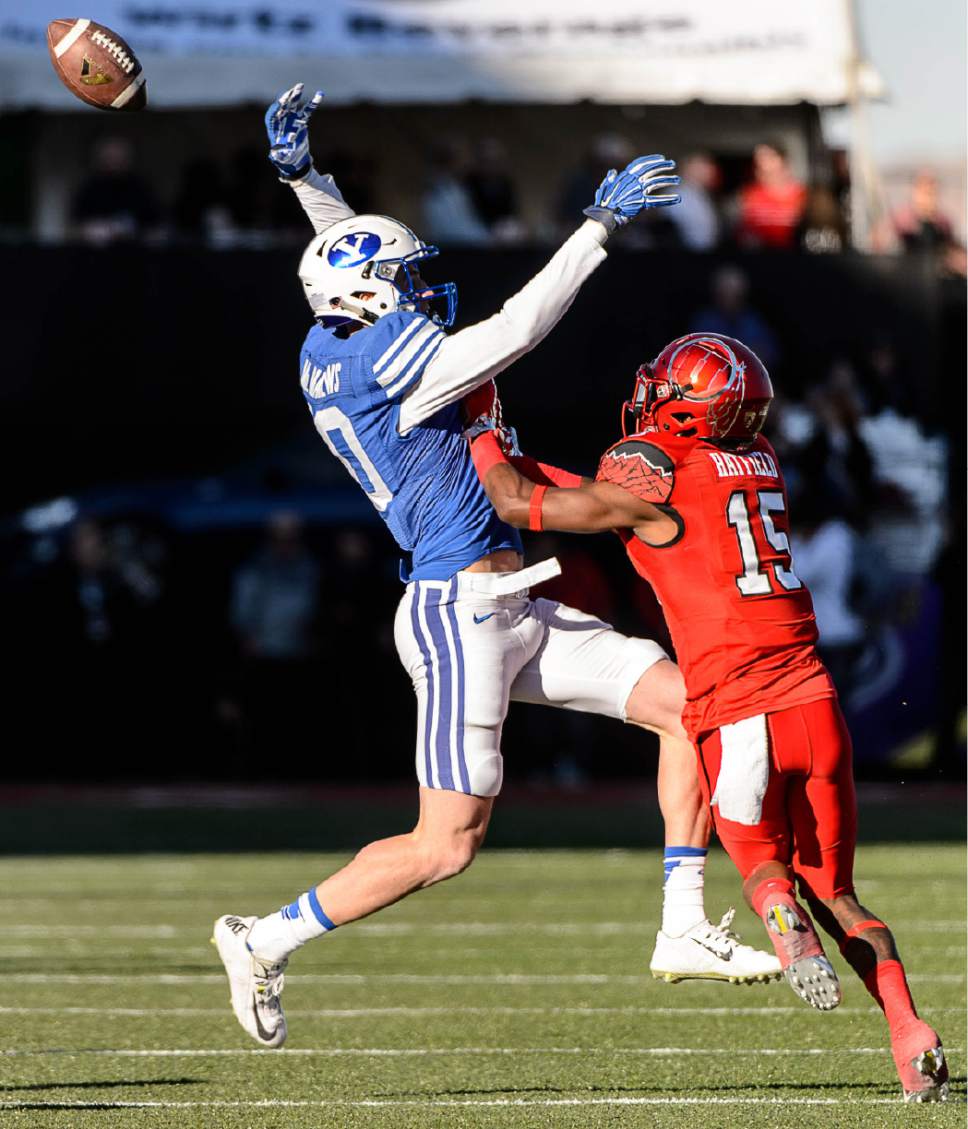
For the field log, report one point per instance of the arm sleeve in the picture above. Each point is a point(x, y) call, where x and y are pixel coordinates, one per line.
point(321, 200)
point(545, 475)
point(467, 359)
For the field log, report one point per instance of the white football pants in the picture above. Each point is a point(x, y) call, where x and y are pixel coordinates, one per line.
point(470, 651)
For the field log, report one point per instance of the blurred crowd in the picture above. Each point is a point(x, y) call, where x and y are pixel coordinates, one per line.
point(468, 194)
point(255, 640)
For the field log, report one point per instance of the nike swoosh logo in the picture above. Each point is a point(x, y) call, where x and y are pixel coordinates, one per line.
point(266, 1036)
point(482, 618)
point(727, 955)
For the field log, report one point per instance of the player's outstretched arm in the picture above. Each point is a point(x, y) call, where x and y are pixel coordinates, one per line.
point(589, 507)
point(478, 353)
point(287, 125)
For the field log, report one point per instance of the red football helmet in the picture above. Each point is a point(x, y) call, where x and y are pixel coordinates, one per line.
point(702, 386)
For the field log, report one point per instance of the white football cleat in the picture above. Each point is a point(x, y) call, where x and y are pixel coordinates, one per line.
point(255, 984)
point(711, 952)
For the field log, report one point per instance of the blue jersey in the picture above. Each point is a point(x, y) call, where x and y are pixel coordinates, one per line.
point(423, 484)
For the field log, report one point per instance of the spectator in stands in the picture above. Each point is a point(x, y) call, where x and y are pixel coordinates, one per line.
point(731, 315)
point(922, 228)
point(99, 593)
point(837, 456)
point(114, 204)
point(275, 603)
point(696, 217)
point(771, 204)
point(607, 151)
point(920, 224)
point(909, 469)
point(201, 207)
point(251, 196)
point(89, 646)
point(822, 228)
point(449, 215)
point(824, 547)
point(354, 172)
point(275, 595)
point(492, 191)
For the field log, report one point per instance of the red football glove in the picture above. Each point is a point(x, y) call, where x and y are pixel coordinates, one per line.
point(482, 401)
point(482, 412)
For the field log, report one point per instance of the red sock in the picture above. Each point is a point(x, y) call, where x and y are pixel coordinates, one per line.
point(780, 889)
point(888, 985)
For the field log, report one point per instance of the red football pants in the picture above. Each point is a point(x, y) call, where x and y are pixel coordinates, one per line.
point(809, 810)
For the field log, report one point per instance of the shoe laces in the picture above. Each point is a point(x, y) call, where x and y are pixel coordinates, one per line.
point(723, 934)
point(726, 923)
point(719, 937)
point(269, 981)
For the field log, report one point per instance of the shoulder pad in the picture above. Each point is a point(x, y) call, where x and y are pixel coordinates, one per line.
point(642, 468)
point(389, 329)
point(399, 347)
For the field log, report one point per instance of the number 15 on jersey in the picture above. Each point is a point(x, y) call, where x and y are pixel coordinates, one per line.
point(760, 561)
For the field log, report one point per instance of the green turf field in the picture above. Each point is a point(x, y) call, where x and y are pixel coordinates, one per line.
point(516, 995)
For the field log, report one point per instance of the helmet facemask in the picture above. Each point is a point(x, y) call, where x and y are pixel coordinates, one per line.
point(414, 293)
point(649, 393)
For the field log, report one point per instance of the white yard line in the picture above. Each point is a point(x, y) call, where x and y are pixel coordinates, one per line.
point(408, 928)
point(39, 929)
point(444, 1052)
point(390, 1012)
point(380, 1103)
point(270, 1103)
point(506, 978)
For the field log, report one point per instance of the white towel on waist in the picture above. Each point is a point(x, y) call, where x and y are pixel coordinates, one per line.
point(744, 770)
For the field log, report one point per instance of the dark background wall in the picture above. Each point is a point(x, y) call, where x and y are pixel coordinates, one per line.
point(127, 363)
point(159, 388)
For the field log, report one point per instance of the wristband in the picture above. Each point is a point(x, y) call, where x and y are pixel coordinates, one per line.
point(486, 452)
point(534, 510)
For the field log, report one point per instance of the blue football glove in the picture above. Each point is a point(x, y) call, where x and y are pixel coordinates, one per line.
point(622, 195)
point(287, 124)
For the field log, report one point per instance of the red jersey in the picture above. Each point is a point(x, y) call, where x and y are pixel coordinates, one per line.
point(741, 620)
point(770, 214)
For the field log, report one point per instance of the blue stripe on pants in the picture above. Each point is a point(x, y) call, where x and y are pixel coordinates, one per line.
point(445, 673)
point(428, 666)
point(465, 784)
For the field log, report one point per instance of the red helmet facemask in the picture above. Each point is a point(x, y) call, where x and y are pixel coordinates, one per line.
point(702, 386)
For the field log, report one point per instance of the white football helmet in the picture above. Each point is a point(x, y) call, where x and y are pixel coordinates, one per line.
point(362, 268)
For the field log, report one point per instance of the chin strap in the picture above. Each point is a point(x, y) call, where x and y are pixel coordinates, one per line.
point(357, 311)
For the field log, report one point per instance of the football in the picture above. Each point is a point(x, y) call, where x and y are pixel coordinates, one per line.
point(96, 65)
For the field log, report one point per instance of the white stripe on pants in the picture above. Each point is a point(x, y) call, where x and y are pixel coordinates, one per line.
point(469, 653)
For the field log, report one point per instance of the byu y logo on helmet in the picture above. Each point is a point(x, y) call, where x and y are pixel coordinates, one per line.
point(354, 249)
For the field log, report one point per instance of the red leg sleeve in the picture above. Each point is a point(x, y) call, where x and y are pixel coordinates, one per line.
point(823, 806)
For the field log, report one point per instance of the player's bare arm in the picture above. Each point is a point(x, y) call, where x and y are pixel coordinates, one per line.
point(587, 507)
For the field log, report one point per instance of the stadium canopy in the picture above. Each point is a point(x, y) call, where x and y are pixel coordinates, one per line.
point(221, 53)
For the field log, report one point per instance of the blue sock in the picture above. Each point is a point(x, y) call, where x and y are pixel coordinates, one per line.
point(276, 936)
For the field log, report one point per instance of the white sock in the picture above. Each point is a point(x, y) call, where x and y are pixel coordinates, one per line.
point(682, 894)
point(274, 937)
